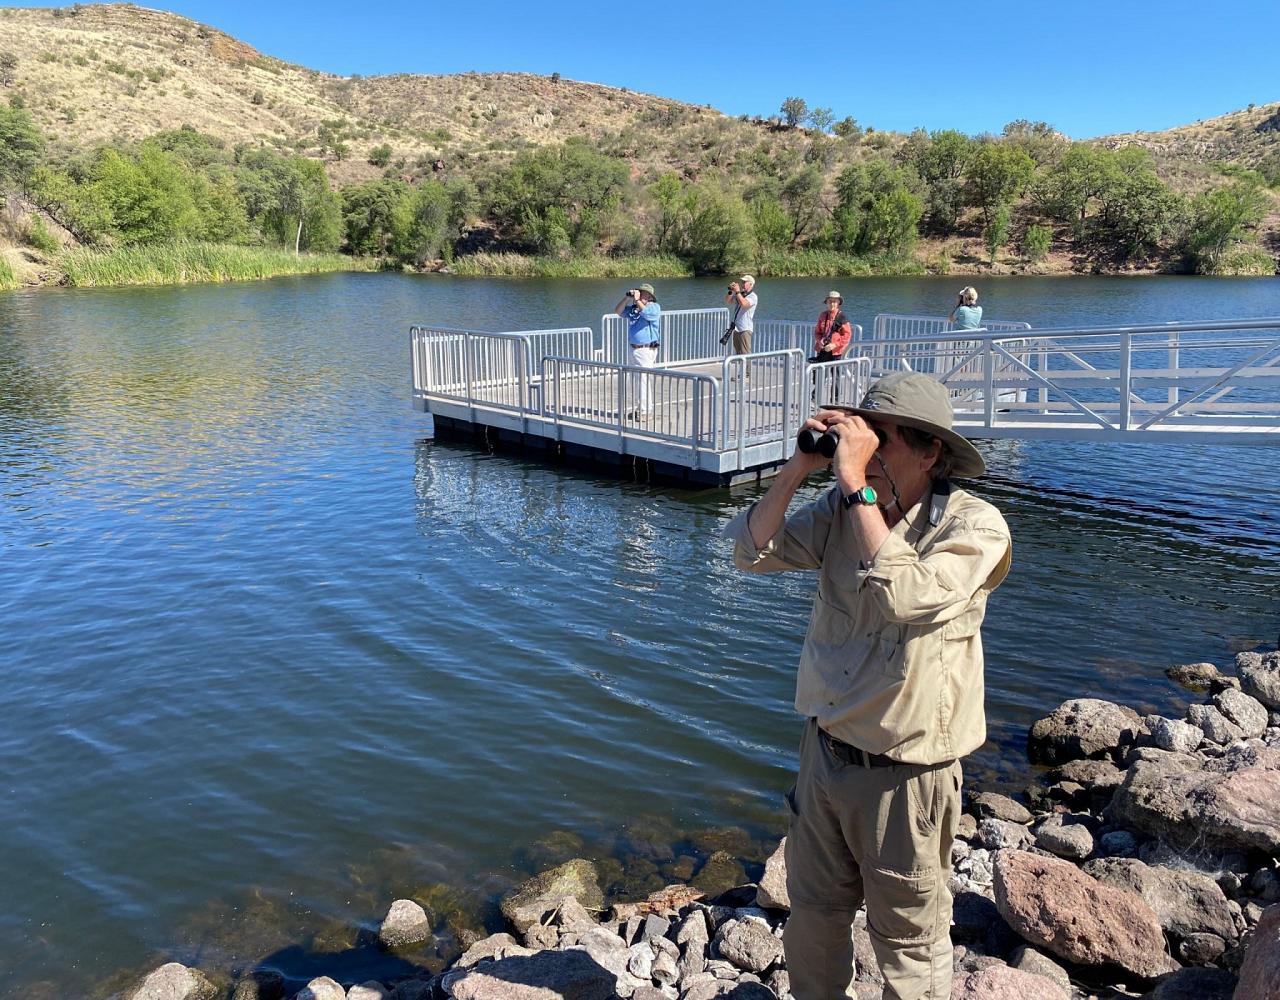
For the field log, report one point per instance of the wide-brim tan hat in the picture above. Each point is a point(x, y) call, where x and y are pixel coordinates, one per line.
point(646, 288)
point(913, 399)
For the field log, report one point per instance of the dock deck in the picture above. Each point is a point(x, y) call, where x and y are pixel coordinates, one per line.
point(701, 418)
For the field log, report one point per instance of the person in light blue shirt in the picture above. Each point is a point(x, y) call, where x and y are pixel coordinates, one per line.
point(639, 307)
point(967, 315)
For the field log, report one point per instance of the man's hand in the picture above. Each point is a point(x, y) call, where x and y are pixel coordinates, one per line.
point(858, 442)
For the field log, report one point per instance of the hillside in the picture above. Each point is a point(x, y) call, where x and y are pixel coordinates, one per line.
point(1248, 138)
point(96, 73)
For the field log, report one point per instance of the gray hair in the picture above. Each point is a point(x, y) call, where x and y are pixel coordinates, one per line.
point(921, 442)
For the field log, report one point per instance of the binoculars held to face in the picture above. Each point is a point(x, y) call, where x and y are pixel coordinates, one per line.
point(825, 443)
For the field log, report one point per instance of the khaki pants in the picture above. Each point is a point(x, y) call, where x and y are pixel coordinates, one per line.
point(879, 834)
point(741, 341)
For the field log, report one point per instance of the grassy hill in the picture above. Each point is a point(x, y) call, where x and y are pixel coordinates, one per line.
point(97, 73)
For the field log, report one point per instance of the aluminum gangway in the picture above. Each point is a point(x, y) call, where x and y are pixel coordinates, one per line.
point(1209, 382)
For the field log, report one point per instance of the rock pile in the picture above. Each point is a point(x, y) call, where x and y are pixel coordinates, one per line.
point(1143, 863)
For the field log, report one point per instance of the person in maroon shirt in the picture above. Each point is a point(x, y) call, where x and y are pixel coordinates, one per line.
point(832, 334)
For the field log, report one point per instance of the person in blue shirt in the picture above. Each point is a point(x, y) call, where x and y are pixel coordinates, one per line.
point(967, 315)
point(639, 307)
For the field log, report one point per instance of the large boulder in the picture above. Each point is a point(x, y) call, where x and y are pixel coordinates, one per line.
point(1260, 676)
point(174, 981)
point(1195, 984)
point(1260, 972)
point(999, 982)
point(749, 944)
point(574, 879)
point(1244, 710)
point(563, 975)
point(1053, 904)
point(772, 892)
point(1185, 902)
point(1175, 800)
point(1082, 727)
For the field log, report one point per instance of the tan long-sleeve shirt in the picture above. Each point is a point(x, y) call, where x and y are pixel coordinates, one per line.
point(892, 661)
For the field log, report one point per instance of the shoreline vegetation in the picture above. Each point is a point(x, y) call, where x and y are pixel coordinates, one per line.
point(192, 262)
point(1139, 860)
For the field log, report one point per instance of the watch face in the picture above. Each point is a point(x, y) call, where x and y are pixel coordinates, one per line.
point(868, 495)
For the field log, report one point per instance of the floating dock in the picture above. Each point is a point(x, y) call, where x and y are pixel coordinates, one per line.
point(701, 418)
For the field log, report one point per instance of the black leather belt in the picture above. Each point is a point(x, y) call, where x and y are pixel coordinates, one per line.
point(854, 755)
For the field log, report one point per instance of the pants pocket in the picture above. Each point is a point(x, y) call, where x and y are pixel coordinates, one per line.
point(902, 907)
point(923, 794)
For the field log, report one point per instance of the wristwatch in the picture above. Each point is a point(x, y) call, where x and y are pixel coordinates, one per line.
point(865, 496)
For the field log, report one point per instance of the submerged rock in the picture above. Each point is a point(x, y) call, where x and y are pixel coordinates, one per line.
point(574, 879)
point(1194, 676)
point(1053, 904)
point(405, 924)
point(174, 981)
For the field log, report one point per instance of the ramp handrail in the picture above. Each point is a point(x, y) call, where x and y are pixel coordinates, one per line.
point(1124, 379)
point(763, 398)
point(845, 381)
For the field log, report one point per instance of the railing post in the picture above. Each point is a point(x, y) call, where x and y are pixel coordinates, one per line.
point(989, 379)
point(1126, 379)
point(788, 375)
point(1173, 367)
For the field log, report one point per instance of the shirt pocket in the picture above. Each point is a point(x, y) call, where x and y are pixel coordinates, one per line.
point(830, 626)
point(892, 642)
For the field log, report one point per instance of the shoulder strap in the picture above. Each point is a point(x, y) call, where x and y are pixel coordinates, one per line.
point(938, 503)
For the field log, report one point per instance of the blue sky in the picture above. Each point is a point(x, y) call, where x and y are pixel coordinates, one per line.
point(1087, 67)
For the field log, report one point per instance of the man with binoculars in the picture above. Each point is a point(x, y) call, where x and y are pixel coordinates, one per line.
point(890, 678)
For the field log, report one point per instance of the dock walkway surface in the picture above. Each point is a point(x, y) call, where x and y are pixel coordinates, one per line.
point(704, 418)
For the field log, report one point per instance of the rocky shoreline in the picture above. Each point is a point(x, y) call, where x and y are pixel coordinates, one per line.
point(1142, 863)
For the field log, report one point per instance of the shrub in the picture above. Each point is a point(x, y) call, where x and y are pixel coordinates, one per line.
point(37, 235)
point(996, 234)
point(1036, 241)
point(380, 156)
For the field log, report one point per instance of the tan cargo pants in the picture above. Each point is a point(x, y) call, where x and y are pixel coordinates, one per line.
point(742, 341)
point(879, 834)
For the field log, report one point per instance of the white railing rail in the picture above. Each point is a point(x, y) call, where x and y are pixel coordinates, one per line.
point(657, 403)
point(896, 342)
point(845, 381)
point(490, 369)
point(1123, 379)
point(764, 398)
point(683, 335)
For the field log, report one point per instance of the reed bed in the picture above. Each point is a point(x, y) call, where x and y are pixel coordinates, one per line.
point(8, 279)
point(184, 262)
point(516, 265)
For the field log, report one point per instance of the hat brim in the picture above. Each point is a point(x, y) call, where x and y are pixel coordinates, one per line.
point(967, 460)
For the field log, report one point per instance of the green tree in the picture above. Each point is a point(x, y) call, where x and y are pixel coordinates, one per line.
point(290, 200)
point(380, 156)
point(717, 234)
point(998, 174)
point(877, 210)
point(21, 146)
point(668, 192)
point(802, 199)
point(821, 119)
point(847, 128)
point(1220, 219)
point(377, 216)
point(794, 111)
point(583, 187)
point(770, 223)
point(940, 160)
point(149, 196)
point(1040, 140)
point(1073, 182)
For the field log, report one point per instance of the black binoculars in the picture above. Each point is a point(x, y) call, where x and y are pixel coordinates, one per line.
point(825, 443)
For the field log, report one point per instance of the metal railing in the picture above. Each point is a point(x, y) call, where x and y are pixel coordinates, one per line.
point(764, 398)
point(683, 334)
point(673, 406)
point(896, 340)
point(845, 381)
point(1215, 376)
point(491, 369)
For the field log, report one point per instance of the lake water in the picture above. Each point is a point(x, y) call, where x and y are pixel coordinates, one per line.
point(273, 658)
